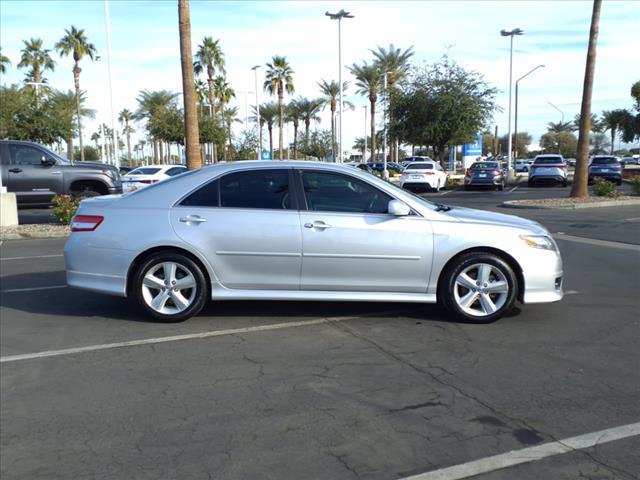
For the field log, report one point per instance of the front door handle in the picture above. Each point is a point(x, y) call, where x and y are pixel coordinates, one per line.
point(193, 219)
point(15, 170)
point(319, 224)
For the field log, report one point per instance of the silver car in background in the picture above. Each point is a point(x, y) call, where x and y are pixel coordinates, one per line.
point(259, 230)
point(548, 169)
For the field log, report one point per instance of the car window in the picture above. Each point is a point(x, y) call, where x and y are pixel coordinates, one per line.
point(605, 160)
point(547, 160)
point(175, 171)
point(256, 189)
point(144, 171)
point(332, 192)
point(420, 166)
point(24, 155)
point(205, 196)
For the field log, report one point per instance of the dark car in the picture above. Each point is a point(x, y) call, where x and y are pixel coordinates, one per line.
point(486, 174)
point(36, 174)
point(606, 167)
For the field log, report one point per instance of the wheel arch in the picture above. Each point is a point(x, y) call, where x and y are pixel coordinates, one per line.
point(142, 256)
point(512, 262)
point(79, 186)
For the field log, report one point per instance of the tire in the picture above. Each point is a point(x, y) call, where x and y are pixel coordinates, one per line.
point(463, 276)
point(530, 184)
point(501, 187)
point(564, 184)
point(437, 186)
point(467, 187)
point(619, 182)
point(159, 296)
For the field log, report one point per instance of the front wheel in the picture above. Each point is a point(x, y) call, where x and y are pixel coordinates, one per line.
point(478, 287)
point(170, 287)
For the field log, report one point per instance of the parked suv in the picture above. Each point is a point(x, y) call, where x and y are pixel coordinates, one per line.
point(35, 174)
point(607, 167)
point(548, 169)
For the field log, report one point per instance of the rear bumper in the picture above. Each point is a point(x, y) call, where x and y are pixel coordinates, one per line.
point(616, 176)
point(547, 179)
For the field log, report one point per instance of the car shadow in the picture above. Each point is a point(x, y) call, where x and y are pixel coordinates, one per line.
point(71, 302)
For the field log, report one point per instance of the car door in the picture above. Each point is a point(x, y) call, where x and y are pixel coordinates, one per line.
point(32, 180)
point(351, 243)
point(248, 226)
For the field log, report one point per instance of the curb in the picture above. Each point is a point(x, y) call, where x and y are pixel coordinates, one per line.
point(572, 206)
point(32, 235)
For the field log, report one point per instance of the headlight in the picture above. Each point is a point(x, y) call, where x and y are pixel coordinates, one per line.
point(539, 241)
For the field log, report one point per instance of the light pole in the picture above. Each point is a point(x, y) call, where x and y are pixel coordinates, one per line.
point(339, 16)
point(515, 134)
point(107, 24)
point(364, 154)
point(561, 112)
point(385, 172)
point(510, 33)
point(255, 71)
point(246, 111)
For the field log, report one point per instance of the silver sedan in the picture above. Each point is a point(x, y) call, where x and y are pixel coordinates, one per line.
point(305, 231)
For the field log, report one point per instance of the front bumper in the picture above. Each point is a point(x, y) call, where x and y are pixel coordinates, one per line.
point(543, 277)
point(495, 181)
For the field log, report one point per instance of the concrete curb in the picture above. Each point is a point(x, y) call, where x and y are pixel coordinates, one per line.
point(32, 235)
point(573, 206)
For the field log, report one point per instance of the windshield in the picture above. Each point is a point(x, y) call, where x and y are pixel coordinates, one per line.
point(144, 171)
point(548, 160)
point(420, 166)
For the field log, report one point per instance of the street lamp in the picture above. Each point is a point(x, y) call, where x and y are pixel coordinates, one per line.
point(511, 34)
point(246, 111)
point(516, 112)
point(339, 16)
point(255, 71)
point(116, 140)
point(561, 112)
point(364, 153)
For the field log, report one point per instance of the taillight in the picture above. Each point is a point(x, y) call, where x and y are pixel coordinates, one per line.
point(468, 172)
point(148, 181)
point(429, 173)
point(497, 172)
point(563, 166)
point(86, 223)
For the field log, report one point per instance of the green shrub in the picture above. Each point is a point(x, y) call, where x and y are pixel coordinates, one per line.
point(64, 208)
point(635, 184)
point(604, 188)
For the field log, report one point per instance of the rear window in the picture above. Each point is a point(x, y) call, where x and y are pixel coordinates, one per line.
point(479, 165)
point(548, 160)
point(144, 171)
point(420, 166)
point(605, 160)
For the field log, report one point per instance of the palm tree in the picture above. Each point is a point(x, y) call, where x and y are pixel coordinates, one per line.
point(230, 116)
point(75, 43)
point(597, 126)
point(560, 127)
point(269, 112)
point(201, 93)
point(209, 57)
point(36, 58)
point(125, 116)
point(331, 92)
point(580, 177)
point(395, 63)
point(223, 93)
point(150, 106)
point(65, 106)
point(279, 77)
point(4, 61)
point(368, 82)
point(614, 121)
point(293, 116)
point(308, 113)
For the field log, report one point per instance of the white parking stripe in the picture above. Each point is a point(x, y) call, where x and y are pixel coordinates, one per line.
point(29, 258)
point(531, 454)
point(600, 243)
point(176, 338)
point(34, 289)
point(513, 189)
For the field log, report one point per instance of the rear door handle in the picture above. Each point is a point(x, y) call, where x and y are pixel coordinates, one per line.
point(15, 170)
point(193, 219)
point(319, 224)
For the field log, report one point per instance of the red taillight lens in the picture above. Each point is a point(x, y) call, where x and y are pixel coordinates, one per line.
point(563, 166)
point(497, 172)
point(148, 181)
point(429, 173)
point(86, 223)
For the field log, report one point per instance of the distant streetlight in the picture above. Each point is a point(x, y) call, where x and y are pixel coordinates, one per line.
point(364, 153)
point(255, 71)
point(246, 111)
point(339, 16)
point(515, 134)
point(561, 112)
point(116, 141)
point(37, 86)
point(511, 34)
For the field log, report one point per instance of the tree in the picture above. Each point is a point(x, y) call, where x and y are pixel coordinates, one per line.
point(580, 177)
point(65, 106)
point(150, 107)
point(230, 116)
point(368, 84)
point(395, 63)
point(125, 116)
point(75, 43)
point(293, 114)
point(247, 145)
point(308, 113)
point(4, 61)
point(331, 92)
point(224, 93)
point(37, 58)
point(560, 127)
point(209, 57)
point(520, 143)
point(614, 121)
point(597, 125)
point(443, 105)
point(269, 112)
point(564, 143)
point(319, 144)
point(278, 79)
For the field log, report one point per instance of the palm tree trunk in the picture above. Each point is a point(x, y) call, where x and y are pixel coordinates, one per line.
point(70, 147)
point(271, 141)
point(281, 102)
point(581, 174)
point(613, 139)
point(128, 140)
point(334, 147)
point(295, 141)
point(76, 81)
point(214, 153)
point(373, 131)
point(307, 123)
point(224, 156)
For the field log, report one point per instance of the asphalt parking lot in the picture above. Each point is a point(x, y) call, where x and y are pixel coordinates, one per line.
point(273, 390)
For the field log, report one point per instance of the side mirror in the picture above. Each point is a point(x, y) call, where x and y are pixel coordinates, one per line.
point(398, 208)
point(47, 161)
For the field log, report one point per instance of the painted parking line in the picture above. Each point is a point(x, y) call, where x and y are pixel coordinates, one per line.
point(513, 189)
point(188, 336)
point(33, 289)
point(531, 454)
point(599, 243)
point(30, 258)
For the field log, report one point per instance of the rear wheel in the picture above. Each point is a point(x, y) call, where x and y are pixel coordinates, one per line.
point(478, 287)
point(170, 287)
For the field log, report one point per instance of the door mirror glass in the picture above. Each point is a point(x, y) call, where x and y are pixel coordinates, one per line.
point(398, 208)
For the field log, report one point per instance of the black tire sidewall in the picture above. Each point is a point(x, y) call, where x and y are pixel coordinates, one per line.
point(201, 286)
point(447, 285)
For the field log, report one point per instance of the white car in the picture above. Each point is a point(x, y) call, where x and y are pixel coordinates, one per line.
point(420, 175)
point(144, 176)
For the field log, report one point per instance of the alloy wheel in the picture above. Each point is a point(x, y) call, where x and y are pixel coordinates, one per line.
point(169, 288)
point(481, 289)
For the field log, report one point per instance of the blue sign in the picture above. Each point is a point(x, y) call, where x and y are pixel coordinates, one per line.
point(473, 149)
point(266, 155)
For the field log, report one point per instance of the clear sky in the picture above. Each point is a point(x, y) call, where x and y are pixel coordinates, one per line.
point(145, 47)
